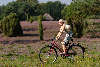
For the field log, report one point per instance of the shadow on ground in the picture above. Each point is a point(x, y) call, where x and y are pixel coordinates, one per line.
point(30, 34)
point(19, 42)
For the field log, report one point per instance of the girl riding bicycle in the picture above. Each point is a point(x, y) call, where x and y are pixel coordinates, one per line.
point(49, 53)
point(64, 28)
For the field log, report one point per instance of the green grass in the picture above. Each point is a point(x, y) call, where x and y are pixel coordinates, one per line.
point(13, 59)
point(33, 61)
point(18, 61)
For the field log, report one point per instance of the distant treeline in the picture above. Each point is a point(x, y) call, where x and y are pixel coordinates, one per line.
point(28, 8)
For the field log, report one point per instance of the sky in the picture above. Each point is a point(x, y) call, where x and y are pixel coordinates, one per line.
point(4, 2)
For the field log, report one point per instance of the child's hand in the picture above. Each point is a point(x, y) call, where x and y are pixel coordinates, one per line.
point(57, 38)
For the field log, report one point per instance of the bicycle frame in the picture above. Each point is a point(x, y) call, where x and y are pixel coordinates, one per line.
point(53, 52)
point(55, 45)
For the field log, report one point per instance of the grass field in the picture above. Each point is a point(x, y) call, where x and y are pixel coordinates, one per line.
point(25, 56)
point(33, 61)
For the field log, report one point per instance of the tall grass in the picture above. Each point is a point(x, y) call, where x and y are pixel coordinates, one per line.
point(91, 59)
point(33, 61)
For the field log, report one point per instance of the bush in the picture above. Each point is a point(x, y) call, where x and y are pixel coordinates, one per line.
point(33, 18)
point(11, 26)
point(0, 28)
point(40, 27)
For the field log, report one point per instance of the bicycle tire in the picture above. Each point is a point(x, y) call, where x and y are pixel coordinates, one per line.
point(45, 56)
point(74, 50)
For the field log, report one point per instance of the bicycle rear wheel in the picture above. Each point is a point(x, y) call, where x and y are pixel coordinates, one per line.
point(76, 50)
point(48, 54)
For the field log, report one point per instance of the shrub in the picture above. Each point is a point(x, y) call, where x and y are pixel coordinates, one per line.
point(40, 27)
point(33, 18)
point(0, 28)
point(11, 26)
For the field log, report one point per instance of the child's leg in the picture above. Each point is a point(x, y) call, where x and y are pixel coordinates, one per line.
point(64, 48)
point(64, 43)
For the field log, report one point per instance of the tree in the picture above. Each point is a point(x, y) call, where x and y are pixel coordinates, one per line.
point(10, 25)
point(0, 28)
point(2, 12)
point(75, 14)
point(23, 10)
point(29, 1)
point(52, 8)
point(36, 1)
point(96, 7)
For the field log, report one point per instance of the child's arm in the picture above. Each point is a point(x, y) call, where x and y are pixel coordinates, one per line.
point(60, 32)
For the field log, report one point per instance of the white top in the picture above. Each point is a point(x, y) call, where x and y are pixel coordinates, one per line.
point(63, 28)
point(67, 26)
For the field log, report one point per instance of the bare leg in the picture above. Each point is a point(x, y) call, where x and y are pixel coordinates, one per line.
point(64, 48)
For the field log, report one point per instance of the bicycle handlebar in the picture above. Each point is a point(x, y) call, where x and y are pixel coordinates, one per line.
point(53, 39)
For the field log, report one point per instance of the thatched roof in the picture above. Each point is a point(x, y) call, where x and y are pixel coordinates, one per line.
point(48, 17)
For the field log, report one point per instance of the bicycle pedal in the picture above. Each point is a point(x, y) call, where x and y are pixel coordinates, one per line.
point(67, 55)
point(62, 54)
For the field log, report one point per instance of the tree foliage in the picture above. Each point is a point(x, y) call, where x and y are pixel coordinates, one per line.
point(76, 13)
point(31, 1)
point(23, 9)
point(53, 8)
point(40, 27)
point(96, 7)
point(26, 8)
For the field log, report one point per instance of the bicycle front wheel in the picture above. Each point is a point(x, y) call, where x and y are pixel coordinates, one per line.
point(76, 51)
point(48, 54)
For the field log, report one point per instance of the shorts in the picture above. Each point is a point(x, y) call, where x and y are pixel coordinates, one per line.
point(67, 38)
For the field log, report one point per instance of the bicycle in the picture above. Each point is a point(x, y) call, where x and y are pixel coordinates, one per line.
point(49, 52)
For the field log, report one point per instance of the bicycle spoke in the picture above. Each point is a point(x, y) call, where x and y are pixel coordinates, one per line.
point(47, 54)
point(75, 51)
